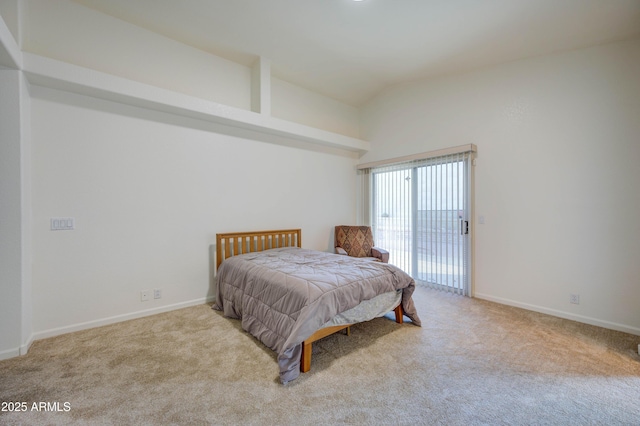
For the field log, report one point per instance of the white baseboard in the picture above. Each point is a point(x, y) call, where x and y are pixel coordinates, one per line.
point(118, 318)
point(561, 314)
point(14, 352)
point(25, 347)
point(9, 353)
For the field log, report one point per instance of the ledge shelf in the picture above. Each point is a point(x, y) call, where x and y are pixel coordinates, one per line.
point(55, 74)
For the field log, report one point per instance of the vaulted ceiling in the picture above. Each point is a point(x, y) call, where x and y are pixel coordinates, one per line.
point(350, 50)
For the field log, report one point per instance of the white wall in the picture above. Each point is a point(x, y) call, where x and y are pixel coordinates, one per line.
point(15, 211)
point(303, 106)
point(26, 210)
point(10, 237)
point(10, 14)
point(149, 191)
point(72, 33)
point(557, 175)
point(69, 32)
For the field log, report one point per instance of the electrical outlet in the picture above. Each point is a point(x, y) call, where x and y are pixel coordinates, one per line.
point(157, 293)
point(574, 298)
point(145, 295)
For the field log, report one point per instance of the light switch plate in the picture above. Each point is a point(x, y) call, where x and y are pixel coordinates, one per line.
point(63, 224)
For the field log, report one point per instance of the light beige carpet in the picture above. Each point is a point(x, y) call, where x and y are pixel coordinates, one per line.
point(473, 362)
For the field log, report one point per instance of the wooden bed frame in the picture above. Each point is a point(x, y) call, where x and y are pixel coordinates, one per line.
point(232, 244)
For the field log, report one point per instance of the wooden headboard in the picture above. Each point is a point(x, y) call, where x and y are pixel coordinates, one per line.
point(231, 244)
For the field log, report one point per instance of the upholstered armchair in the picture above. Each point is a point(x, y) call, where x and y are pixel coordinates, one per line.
point(357, 241)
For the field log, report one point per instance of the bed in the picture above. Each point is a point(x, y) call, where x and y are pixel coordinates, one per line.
point(289, 297)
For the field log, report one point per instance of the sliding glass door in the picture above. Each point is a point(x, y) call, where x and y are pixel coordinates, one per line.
point(420, 213)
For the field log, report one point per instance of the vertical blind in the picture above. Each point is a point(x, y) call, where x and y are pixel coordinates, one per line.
point(419, 210)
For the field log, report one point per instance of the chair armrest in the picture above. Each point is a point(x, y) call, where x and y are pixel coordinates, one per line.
point(340, 250)
point(381, 254)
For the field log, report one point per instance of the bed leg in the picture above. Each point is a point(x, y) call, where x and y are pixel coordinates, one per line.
point(399, 314)
point(348, 331)
point(305, 358)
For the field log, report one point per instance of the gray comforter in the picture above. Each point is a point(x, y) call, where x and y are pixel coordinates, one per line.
point(284, 295)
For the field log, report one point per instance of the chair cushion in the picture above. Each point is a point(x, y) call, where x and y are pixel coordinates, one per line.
point(355, 240)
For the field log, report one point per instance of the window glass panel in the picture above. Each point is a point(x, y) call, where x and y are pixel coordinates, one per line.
point(419, 213)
